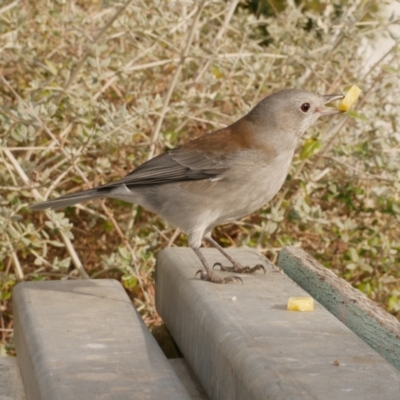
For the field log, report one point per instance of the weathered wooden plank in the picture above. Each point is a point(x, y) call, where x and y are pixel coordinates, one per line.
point(11, 387)
point(188, 378)
point(84, 340)
point(363, 316)
point(242, 343)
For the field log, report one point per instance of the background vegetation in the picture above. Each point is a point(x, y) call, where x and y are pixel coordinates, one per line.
point(91, 89)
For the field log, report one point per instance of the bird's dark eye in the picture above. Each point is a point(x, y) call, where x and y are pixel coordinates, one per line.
point(305, 107)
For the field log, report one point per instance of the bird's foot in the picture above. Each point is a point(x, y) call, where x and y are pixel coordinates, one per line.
point(214, 278)
point(241, 269)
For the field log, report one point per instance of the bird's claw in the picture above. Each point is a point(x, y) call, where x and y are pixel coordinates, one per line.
point(214, 278)
point(241, 269)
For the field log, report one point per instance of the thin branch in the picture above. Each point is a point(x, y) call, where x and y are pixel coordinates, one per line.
point(19, 274)
point(70, 248)
point(164, 109)
point(73, 160)
point(228, 16)
point(174, 236)
point(81, 62)
point(332, 132)
point(9, 6)
point(358, 175)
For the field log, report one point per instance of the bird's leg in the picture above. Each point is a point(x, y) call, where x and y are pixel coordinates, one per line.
point(210, 275)
point(236, 266)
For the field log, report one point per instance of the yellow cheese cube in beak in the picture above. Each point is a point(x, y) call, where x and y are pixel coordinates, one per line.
point(350, 98)
point(300, 304)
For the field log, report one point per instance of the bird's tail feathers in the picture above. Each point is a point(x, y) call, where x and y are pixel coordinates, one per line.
point(68, 200)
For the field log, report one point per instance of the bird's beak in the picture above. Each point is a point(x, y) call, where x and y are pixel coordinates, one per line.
point(328, 98)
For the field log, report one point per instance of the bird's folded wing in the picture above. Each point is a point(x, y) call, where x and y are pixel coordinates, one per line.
point(174, 166)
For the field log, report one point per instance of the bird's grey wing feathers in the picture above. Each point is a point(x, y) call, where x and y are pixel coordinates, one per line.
point(173, 166)
point(67, 200)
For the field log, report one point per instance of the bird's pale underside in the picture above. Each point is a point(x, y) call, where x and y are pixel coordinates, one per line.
point(221, 176)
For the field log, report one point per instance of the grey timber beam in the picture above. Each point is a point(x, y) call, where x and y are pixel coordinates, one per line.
point(84, 340)
point(363, 316)
point(242, 343)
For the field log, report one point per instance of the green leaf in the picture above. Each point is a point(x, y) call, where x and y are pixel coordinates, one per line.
point(393, 303)
point(351, 267)
point(310, 147)
point(217, 72)
point(353, 254)
point(129, 281)
point(355, 115)
point(5, 295)
point(389, 68)
point(52, 68)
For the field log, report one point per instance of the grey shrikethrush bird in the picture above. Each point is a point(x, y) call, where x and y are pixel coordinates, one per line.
point(221, 176)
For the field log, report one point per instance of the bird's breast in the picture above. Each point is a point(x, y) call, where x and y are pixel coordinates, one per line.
point(246, 190)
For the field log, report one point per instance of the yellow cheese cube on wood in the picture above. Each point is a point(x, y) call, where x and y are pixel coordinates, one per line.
point(300, 304)
point(350, 98)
